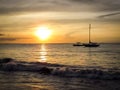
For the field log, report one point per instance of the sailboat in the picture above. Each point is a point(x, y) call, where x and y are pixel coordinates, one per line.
point(91, 44)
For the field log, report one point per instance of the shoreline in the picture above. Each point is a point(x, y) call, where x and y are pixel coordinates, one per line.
point(10, 65)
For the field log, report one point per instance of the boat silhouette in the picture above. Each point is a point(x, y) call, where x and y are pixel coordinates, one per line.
point(91, 44)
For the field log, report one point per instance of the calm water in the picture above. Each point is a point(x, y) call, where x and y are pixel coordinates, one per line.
point(105, 56)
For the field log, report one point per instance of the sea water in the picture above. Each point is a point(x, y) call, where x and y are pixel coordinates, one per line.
point(106, 56)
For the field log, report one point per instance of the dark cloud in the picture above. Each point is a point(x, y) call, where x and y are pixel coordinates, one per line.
point(11, 39)
point(2, 34)
point(18, 6)
point(13, 6)
point(101, 5)
point(8, 39)
point(97, 7)
point(109, 15)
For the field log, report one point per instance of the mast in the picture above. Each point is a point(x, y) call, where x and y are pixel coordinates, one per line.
point(89, 33)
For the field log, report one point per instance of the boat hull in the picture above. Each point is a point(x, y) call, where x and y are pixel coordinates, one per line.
point(91, 45)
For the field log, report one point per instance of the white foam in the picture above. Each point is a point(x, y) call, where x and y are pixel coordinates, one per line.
point(61, 70)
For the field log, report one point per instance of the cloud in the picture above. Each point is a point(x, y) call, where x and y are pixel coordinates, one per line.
point(11, 39)
point(101, 5)
point(109, 15)
point(77, 30)
point(2, 34)
point(8, 39)
point(13, 6)
point(56, 10)
point(20, 6)
point(69, 34)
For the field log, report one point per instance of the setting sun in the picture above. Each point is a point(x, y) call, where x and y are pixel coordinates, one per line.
point(43, 33)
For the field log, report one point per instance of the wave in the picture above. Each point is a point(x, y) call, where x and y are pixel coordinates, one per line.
point(11, 65)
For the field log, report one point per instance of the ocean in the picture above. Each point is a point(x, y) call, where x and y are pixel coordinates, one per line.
point(106, 57)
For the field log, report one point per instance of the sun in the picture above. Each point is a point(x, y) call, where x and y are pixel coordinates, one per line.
point(43, 32)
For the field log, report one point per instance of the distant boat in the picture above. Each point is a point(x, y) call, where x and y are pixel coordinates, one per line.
point(77, 44)
point(91, 44)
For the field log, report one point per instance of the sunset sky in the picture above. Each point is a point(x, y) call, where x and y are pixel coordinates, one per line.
point(67, 19)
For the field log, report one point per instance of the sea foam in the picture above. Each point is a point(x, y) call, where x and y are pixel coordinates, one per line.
point(11, 65)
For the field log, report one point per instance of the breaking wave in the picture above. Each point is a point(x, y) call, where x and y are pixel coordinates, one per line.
point(11, 65)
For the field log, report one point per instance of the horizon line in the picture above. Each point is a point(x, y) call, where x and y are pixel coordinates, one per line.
point(62, 43)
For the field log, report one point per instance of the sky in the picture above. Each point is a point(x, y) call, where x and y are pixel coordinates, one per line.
point(68, 20)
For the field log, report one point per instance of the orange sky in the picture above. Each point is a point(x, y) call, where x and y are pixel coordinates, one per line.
point(67, 19)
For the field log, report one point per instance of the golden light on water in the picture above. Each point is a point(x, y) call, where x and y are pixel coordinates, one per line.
point(43, 33)
point(43, 54)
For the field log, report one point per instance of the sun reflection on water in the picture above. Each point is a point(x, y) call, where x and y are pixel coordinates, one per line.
point(43, 54)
